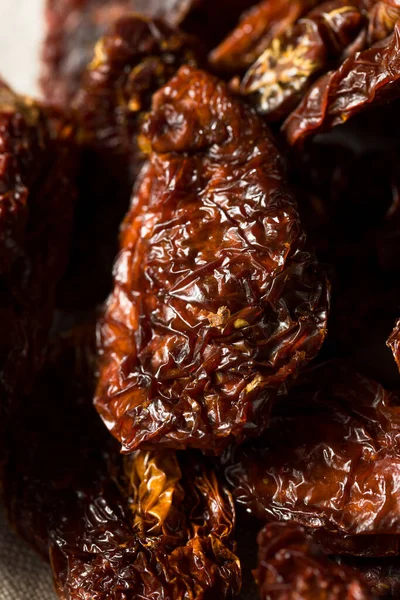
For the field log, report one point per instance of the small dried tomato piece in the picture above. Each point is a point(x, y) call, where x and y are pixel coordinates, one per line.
point(73, 28)
point(255, 30)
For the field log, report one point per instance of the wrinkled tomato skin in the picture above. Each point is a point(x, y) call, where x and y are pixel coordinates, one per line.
point(336, 472)
point(217, 302)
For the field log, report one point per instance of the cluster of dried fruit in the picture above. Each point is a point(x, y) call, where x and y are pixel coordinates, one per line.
point(250, 247)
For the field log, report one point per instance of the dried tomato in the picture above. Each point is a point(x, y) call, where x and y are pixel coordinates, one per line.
point(364, 79)
point(170, 539)
point(279, 77)
point(255, 30)
point(217, 303)
point(157, 525)
point(132, 61)
point(37, 197)
point(329, 461)
point(73, 28)
point(382, 16)
point(292, 566)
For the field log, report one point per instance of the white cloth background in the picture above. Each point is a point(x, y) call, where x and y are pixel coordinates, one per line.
point(23, 575)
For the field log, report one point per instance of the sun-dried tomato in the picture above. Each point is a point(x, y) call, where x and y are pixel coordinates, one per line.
point(329, 460)
point(156, 526)
point(291, 61)
point(170, 539)
point(255, 30)
point(292, 566)
point(73, 28)
point(382, 16)
point(131, 62)
point(36, 204)
point(365, 79)
point(217, 303)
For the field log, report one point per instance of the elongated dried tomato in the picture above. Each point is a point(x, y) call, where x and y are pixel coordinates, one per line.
point(290, 62)
point(37, 198)
point(255, 31)
point(291, 566)
point(365, 79)
point(216, 303)
point(74, 26)
point(132, 61)
point(330, 461)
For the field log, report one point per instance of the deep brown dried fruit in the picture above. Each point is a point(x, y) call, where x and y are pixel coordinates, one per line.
point(157, 526)
point(132, 61)
point(255, 30)
point(382, 16)
point(329, 460)
point(217, 304)
point(36, 205)
point(170, 541)
point(278, 79)
point(73, 28)
point(365, 79)
point(291, 567)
